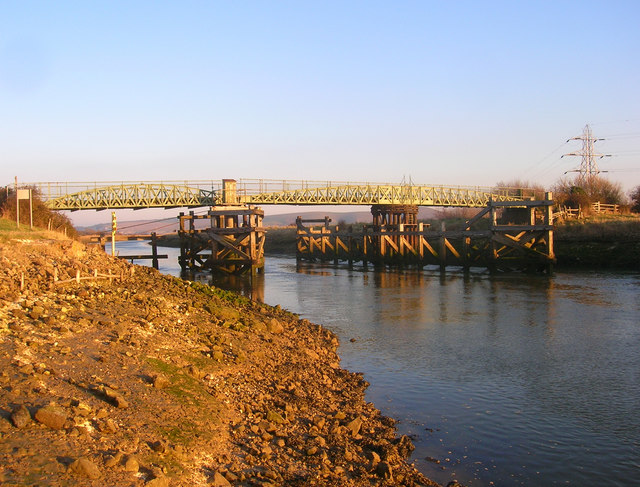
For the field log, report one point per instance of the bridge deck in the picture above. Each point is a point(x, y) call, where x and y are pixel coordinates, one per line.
point(172, 194)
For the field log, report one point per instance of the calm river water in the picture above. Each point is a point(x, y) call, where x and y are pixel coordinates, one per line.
point(509, 380)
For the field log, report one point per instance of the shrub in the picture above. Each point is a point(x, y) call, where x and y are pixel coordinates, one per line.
point(43, 217)
point(635, 199)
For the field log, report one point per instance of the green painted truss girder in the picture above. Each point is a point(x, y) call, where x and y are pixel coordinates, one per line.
point(137, 195)
point(382, 194)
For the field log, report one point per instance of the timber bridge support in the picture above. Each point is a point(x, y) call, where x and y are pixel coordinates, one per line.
point(502, 236)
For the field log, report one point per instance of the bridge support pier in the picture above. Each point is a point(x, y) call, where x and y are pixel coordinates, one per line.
point(519, 237)
point(228, 239)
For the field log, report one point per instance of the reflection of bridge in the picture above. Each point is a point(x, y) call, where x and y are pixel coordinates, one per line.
point(172, 194)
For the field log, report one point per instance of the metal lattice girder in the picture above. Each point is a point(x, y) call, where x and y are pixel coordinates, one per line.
point(381, 194)
point(134, 195)
point(103, 195)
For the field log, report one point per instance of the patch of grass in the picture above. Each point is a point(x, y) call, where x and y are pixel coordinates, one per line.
point(228, 296)
point(201, 422)
point(599, 228)
point(181, 385)
point(10, 231)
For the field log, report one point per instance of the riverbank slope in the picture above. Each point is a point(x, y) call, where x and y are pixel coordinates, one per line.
point(124, 376)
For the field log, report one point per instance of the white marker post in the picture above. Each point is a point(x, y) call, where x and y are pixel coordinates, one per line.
point(114, 227)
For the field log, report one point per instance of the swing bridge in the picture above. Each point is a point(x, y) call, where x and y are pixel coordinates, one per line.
point(230, 237)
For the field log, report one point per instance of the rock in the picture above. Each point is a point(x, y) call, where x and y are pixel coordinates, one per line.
point(158, 482)
point(131, 465)
point(275, 417)
point(36, 312)
point(374, 459)
point(274, 326)
point(218, 356)
point(114, 460)
point(319, 421)
point(114, 397)
point(85, 468)
point(20, 417)
point(354, 426)
point(384, 470)
point(51, 416)
point(159, 446)
point(219, 480)
point(405, 446)
point(160, 382)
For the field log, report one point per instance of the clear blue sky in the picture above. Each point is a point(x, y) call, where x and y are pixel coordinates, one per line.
point(467, 93)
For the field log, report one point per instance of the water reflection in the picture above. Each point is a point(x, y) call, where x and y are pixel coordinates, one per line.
point(512, 375)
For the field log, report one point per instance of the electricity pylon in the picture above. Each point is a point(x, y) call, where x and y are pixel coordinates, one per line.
point(588, 167)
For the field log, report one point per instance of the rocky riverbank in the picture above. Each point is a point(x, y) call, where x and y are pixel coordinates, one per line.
point(145, 379)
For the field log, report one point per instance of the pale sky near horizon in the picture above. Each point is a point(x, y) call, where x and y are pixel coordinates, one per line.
point(454, 93)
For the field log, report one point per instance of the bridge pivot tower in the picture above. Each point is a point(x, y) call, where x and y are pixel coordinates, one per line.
point(228, 239)
point(589, 166)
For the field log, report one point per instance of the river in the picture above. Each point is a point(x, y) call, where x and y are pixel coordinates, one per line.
point(500, 380)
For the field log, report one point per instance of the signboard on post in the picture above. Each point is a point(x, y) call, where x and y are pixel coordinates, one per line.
point(24, 194)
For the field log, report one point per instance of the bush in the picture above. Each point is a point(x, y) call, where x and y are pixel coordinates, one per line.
point(575, 193)
point(43, 217)
point(635, 200)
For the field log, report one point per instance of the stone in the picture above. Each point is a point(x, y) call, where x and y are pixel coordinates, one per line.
point(160, 382)
point(158, 482)
point(85, 468)
point(275, 417)
point(114, 460)
point(219, 480)
point(384, 470)
point(218, 356)
point(131, 465)
point(319, 421)
point(52, 416)
point(274, 326)
point(115, 397)
point(354, 426)
point(20, 417)
point(159, 446)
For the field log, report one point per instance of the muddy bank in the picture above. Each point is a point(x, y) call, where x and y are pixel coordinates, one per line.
point(144, 379)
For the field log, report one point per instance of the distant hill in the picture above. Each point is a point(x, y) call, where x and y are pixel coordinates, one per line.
point(287, 219)
point(163, 226)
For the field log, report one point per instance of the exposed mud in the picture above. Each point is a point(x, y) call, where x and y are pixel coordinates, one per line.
point(145, 379)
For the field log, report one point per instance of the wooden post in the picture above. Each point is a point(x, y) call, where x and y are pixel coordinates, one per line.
point(154, 250)
point(494, 254)
point(549, 221)
point(114, 226)
point(17, 206)
point(30, 209)
point(443, 247)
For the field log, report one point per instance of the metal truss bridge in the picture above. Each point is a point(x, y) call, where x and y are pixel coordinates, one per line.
point(176, 194)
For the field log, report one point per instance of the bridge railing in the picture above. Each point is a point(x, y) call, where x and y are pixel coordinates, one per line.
point(191, 193)
point(260, 186)
point(53, 190)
